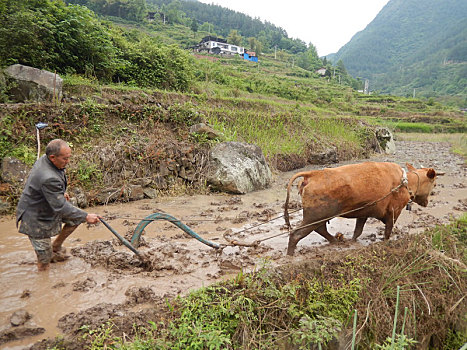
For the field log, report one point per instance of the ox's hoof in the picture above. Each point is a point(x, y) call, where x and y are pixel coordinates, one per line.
point(339, 237)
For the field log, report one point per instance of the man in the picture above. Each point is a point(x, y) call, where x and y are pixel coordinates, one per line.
point(44, 206)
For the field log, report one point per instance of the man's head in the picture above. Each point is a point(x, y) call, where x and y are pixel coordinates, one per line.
point(58, 152)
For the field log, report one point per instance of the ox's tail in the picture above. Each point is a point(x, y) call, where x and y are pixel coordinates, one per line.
point(286, 204)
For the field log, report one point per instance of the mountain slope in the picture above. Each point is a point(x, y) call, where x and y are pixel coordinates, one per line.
point(412, 44)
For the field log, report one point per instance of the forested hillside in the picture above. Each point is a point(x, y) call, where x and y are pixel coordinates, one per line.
point(211, 18)
point(413, 46)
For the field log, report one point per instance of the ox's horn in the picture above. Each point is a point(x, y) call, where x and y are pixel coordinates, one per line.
point(440, 173)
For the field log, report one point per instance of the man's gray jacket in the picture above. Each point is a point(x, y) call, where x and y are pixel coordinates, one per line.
point(42, 207)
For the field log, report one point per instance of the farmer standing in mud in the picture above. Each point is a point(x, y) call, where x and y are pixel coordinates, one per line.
point(44, 206)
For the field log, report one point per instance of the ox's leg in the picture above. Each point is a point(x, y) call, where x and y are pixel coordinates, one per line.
point(296, 235)
point(301, 232)
point(390, 220)
point(358, 228)
point(388, 229)
point(323, 231)
point(310, 215)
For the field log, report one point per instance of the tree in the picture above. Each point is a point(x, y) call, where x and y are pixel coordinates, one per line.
point(208, 27)
point(234, 38)
point(258, 48)
point(341, 68)
point(252, 43)
point(136, 10)
point(194, 25)
point(173, 13)
point(255, 45)
point(309, 59)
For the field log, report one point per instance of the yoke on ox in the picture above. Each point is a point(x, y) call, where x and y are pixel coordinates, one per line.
point(370, 189)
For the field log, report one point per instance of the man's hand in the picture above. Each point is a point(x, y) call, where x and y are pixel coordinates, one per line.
point(92, 218)
point(67, 196)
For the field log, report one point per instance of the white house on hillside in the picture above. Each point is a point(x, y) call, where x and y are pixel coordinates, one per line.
point(321, 71)
point(216, 45)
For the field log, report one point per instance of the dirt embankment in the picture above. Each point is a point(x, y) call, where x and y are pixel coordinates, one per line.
point(105, 281)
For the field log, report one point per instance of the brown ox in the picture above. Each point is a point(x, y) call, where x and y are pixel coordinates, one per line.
point(357, 191)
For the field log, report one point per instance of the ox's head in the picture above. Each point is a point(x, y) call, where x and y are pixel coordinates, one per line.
point(421, 184)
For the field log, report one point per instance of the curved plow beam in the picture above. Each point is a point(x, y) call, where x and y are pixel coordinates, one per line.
point(123, 240)
point(160, 216)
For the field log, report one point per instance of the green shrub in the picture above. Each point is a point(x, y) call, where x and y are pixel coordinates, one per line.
point(15, 141)
point(50, 35)
point(85, 174)
point(146, 63)
point(24, 153)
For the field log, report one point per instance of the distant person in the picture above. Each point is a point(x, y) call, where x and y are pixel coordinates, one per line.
point(44, 206)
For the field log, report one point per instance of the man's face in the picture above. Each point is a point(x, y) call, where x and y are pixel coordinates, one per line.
point(61, 160)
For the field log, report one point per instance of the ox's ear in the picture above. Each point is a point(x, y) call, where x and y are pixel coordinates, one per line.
point(410, 167)
point(431, 173)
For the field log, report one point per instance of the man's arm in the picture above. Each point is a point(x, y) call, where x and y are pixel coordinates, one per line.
point(52, 189)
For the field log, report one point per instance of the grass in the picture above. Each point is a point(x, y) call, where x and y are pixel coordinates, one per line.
point(287, 132)
point(452, 238)
point(408, 127)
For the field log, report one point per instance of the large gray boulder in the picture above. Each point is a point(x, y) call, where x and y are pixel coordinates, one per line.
point(32, 84)
point(237, 167)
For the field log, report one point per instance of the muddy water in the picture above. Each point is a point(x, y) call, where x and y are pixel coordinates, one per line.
point(102, 270)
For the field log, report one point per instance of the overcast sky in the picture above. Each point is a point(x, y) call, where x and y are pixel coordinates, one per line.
point(327, 24)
